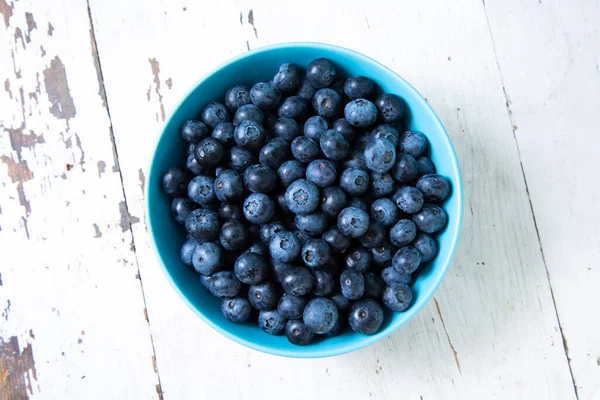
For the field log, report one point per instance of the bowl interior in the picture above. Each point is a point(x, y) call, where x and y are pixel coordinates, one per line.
point(260, 65)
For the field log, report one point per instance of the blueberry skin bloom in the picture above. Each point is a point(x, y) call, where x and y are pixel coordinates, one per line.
point(380, 155)
point(406, 260)
point(291, 306)
point(430, 219)
point(413, 143)
point(360, 112)
point(291, 171)
point(333, 200)
point(403, 232)
point(314, 127)
point(258, 208)
point(388, 132)
point(250, 268)
point(358, 259)
point(287, 78)
point(355, 181)
point(286, 128)
point(426, 246)
point(353, 222)
point(207, 258)
point(236, 310)
point(194, 131)
point(202, 224)
point(229, 186)
point(336, 240)
point(259, 178)
point(250, 135)
point(265, 95)
point(304, 149)
point(391, 107)
point(274, 153)
point(384, 211)
point(352, 283)
point(434, 187)
point(313, 224)
point(409, 199)
point(366, 316)
point(233, 236)
point(406, 169)
point(181, 207)
point(334, 145)
point(294, 107)
point(320, 73)
point(248, 112)
point(214, 113)
point(315, 253)
point(264, 296)
point(271, 322)
point(237, 96)
point(397, 297)
point(209, 152)
point(302, 197)
point(224, 285)
point(321, 172)
point(284, 246)
point(359, 87)
point(224, 134)
point(240, 158)
point(320, 315)
point(297, 281)
point(327, 103)
point(297, 333)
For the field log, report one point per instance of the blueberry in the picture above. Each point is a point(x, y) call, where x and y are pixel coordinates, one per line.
point(358, 259)
point(386, 132)
point(297, 333)
point(258, 208)
point(315, 253)
point(201, 190)
point(352, 284)
point(391, 277)
point(274, 153)
point(209, 152)
point(258, 248)
point(334, 145)
point(348, 131)
point(426, 246)
point(302, 236)
point(406, 260)
point(302, 197)
point(374, 237)
point(224, 134)
point(405, 170)
point(306, 90)
point(304, 149)
point(384, 211)
point(278, 268)
point(240, 158)
point(409, 199)
point(434, 187)
point(324, 282)
point(291, 307)
point(397, 297)
point(356, 159)
point(271, 322)
point(338, 243)
point(297, 281)
point(194, 131)
point(359, 86)
point(237, 96)
point(333, 200)
point(353, 222)
point(228, 186)
point(236, 309)
point(320, 73)
point(391, 107)
point(213, 114)
point(383, 254)
point(382, 185)
point(355, 181)
point(264, 296)
point(248, 112)
point(380, 155)
point(321, 172)
point(284, 246)
point(250, 268)
point(430, 219)
point(224, 285)
point(233, 236)
point(413, 143)
point(342, 303)
point(313, 224)
point(327, 103)
point(259, 178)
point(181, 207)
point(358, 203)
point(337, 328)
point(187, 250)
point(286, 128)
point(265, 95)
point(250, 135)
point(207, 258)
point(314, 127)
point(293, 107)
point(366, 316)
point(268, 230)
point(288, 77)
point(202, 224)
point(291, 171)
point(360, 112)
point(320, 315)
point(425, 166)
point(403, 232)
point(374, 286)
point(175, 182)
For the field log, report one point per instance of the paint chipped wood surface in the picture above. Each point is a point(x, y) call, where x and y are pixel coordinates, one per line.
point(510, 82)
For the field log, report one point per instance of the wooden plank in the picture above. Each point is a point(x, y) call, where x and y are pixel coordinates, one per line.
point(551, 82)
point(72, 307)
point(492, 329)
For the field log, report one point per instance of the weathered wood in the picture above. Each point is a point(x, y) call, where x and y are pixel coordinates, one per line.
point(72, 306)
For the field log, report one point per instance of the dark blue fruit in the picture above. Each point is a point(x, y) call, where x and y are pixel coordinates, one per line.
point(413, 143)
point(327, 103)
point(380, 155)
point(233, 236)
point(374, 286)
point(258, 248)
point(384, 211)
point(314, 127)
point(237, 96)
point(302, 236)
point(353, 222)
point(264, 296)
point(321, 172)
point(286, 128)
point(259, 178)
point(240, 158)
point(304, 149)
point(425, 166)
point(284, 246)
point(214, 113)
point(297, 281)
point(409, 199)
point(360, 112)
point(358, 259)
point(271, 322)
point(291, 307)
point(366, 316)
point(265, 95)
point(405, 170)
point(334, 145)
point(386, 132)
point(207, 258)
point(202, 224)
point(342, 303)
point(406, 260)
point(430, 219)
point(201, 190)
point(302, 197)
point(359, 87)
point(324, 282)
point(333, 200)
point(274, 153)
point(320, 73)
point(338, 243)
point(229, 186)
point(392, 277)
point(397, 297)
point(306, 90)
point(224, 285)
point(374, 236)
point(313, 224)
point(347, 130)
point(294, 107)
point(224, 134)
point(403, 232)
point(236, 309)
point(352, 283)
point(250, 268)
point(315, 253)
point(187, 250)
point(175, 182)
point(434, 187)
point(391, 107)
point(426, 246)
point(250, 135)
point(297, 333)
point(383, 254)
point(278, 268)
point(268, 230)
point(355, 181)
point(209, 152)
point(320, 315)
point(358, 203)
point(356, 159)
point(248, 112)
point(291, 171)
point(194, 131)
point(181, 207)
point(192, 164)
point(258, 208)
point(288, 77)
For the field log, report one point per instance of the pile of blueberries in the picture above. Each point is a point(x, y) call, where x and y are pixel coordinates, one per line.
point(302, 200)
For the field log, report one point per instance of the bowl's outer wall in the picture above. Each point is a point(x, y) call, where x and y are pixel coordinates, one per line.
point(261, 65)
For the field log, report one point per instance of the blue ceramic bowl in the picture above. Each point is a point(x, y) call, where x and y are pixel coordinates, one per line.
point(260, 65)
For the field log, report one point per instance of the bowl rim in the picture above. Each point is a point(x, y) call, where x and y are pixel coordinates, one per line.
point(350, 346)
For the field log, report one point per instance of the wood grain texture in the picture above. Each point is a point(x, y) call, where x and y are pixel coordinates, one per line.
point(72, 322)
point(551, 82)
point(492, 329)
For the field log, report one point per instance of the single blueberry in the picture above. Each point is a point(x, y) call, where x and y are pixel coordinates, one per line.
point(291, 307)
point(224, 285)
point(406, 260)
point(353, 222)
point(293, 107)
point(291, 171)
point(338, 243)
point(386, 132)
point(403, 232)
point(274, 153)
point(355, 181)
point(397, 297)
point(359, 86)
point(213, 114)
point(348, 131)
point(315, 253)
point(207, 258)
point(425, 166)
point(248, 112)
point(382, 185)
point(374, 286)
point(391, 277)
point(187, 251)
point(304, 149)
point(259, 178)
point(224, 134)
point(391, 107)
point(313, 224)
point(237, 96)
point(286, 128)
point(194, 131)
point(384, 211)
point(306, 90)
point(360, 112)
point(342, 303)
point(297, 333)
point(258, 208)
point(302, 197)
point(250, 135)
point(334, 145)
point(314, 127)
point(271, 322)
point(258, 248)
point(320, 315)
point(321, 172)
point(409, 199)
point(264, 296)
point(233, 236)
point(366, 316)
point(406, 169)
point(297, 281)
point(413, 143)
point(426, 246)
point(327, 103)
point(288, 77)
point(236, 309)
point(374, 236)
point(209, 152)
point(202, 224)
point(383, 254)
point(175, 182)
point(265, 95)
point(250, 268)
point(358, 259)
point(430, 219)
point(320, 73)
point(380, 155)
point(201, 190)
point(181, 207)
point(352, 283)
point(324, 282)
point(268, 230)
point(284, 246)
point(434, 187)
point(240, 158)
point(228, 186)
point(333, 200)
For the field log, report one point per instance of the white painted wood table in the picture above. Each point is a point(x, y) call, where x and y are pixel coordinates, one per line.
point(86, 310)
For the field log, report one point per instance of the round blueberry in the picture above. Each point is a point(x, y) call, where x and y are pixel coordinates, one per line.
point(274, 153)
point(207, 258)
point(342, 303)
point(405, 170)
point(291, 307)
point(258, 208)
point(333, 200)
point(293, 107)
point(288, 77)
point(352, 284)
point(194, 131)
point(413, 143)
point(258, 248)
point(259, 178)
point(237, 96)
point(304, 149)
point(353, 222)
point(202, 224)
point(250, 268)
point(320, 73)
point(360, 112)
point(224, 134)
point(291, 171)
point(366, 316)
point(425, 166)
point(327, 103)
point(193, 166)
point(391, 107)
point(324, 282)
point(397, 297)
point(347, 130)
point(297, 281)
point(187, 251)
point(265, 95)
point(213, 114)
point(314, 127)
point(374, 286)
point(248, 112)
point(209, 152)
point(338, 243)
point(271, 322)
point(374, 237)
point(315, 253)
point(409, 199)
point(383, 254)
point(391, 277)
point(313, 224)
point(382, 185)
point(250, 135)
point(355, 181)
point(286, 128)
point(434, 187)
point(236, 309)
point(386, 132)
point(321, 172)
point(240, 158)
point(403, 232)
point(384, 211)
point(359, 86)
point(426, 246)
point(224, 285)
point(284, 246)
point(302, 197)
point(334, 145)
point(233, 236)
point(358, 259)
point(181, 207)
point(268, 230)
point(297, 333)
point(320, 315)
point(306, 90)
point(175, 182)
point(406, 260)
point(264, 296)
point(380, 155)
point(430, 219)
point(228, 186)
